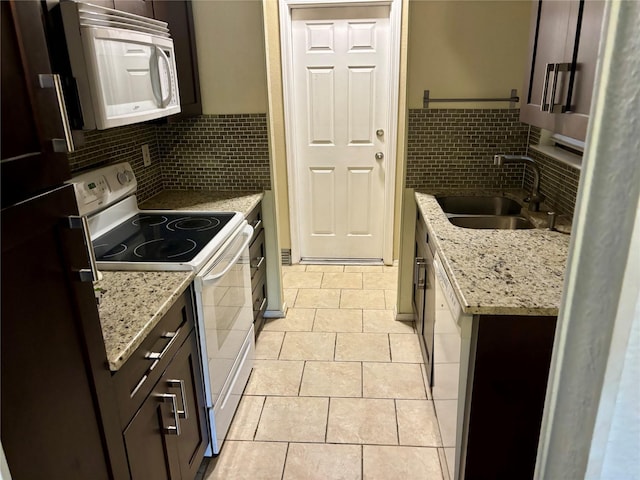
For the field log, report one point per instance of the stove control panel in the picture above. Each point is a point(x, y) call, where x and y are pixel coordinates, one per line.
point(97, 189)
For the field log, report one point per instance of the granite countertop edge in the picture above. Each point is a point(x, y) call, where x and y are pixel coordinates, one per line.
point(133, 302)
point(499, 272)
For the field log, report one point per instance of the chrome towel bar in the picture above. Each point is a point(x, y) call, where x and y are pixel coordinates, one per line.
point(512, 99)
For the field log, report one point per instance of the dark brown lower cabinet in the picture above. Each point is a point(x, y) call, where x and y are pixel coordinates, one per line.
point(167, 437)
point(258, 259)
point(505, 392)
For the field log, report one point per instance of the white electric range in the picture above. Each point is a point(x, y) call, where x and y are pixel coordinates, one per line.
point(213, 244)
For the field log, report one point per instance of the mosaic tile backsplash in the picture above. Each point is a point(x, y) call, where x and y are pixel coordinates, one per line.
point(122, 144)
point(454, 148)
point(218, 152)
point(558, 181)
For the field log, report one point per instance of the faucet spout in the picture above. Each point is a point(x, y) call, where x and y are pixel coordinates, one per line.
point(536, 196)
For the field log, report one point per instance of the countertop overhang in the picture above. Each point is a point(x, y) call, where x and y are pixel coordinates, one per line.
point(499, 272)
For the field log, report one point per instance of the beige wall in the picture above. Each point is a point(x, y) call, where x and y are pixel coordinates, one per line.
point(231, 56)
point(455, 48)
point(276, 122)
point(468, 49)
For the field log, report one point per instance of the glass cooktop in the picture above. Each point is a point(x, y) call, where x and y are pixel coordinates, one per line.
point(156, 237)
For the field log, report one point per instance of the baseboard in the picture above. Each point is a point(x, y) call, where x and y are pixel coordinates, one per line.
point(276, 313)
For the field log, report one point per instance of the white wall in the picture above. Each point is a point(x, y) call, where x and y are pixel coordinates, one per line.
point(588, 430)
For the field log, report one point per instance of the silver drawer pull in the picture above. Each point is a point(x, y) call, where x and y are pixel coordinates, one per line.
point(184, 413)
point(262, 304)
point(256, 223)
point(158, 355)
point(171, 397)
point(258, 263)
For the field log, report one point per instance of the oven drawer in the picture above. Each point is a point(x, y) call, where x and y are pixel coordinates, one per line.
point(258, 259)
point(139, 374)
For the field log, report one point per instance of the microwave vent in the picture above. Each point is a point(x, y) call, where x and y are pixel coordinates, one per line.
point(96, 16)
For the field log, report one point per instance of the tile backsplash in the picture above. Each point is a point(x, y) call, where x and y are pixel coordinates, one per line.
point(558, 181)
point(219, 152)
point(454, 148)
point(122, 144)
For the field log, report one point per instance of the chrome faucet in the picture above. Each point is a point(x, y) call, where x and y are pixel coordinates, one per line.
point(536, 197)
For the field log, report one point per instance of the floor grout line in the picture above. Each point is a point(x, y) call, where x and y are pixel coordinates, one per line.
point(305, 362)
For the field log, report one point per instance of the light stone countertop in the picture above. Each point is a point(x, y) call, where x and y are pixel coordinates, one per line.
point(133, 302)
point(204, 200)
point(509, 272)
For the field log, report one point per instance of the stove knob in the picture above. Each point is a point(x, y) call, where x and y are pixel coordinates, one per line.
point(124, 177)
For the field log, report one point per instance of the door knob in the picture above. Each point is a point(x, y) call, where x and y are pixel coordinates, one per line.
point(379, 155)
point(379, 132)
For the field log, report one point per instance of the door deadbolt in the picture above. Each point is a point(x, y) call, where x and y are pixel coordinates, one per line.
point(379, 132)
point(379, 155)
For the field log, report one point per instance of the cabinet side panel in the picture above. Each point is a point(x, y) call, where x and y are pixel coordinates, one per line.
point(512, 361)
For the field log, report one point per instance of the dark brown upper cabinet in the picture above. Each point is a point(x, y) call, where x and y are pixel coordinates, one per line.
point(139, 7)
point(563, 52)
point(179, 16)
point(33, 129)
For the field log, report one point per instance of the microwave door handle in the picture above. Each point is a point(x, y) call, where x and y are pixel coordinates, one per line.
point(156, 84)
point(165, 101)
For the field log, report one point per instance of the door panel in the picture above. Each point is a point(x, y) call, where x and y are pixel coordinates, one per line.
point(359, 186)
point(322, 201)
point(361, 98)
point(340, 77)
point(320, 108)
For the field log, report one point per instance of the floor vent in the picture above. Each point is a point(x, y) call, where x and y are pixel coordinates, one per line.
point(286, 256)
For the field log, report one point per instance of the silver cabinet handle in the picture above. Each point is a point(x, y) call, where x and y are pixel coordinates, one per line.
point(171, 397)
point(421, 264)
point(256, 223)
point(158, 355)
point(184, 413)
point(258, 264)
point(544, 106)
point(262, 304)
point(49, 80)
point(379, 155)
point(557, 68)
point(85, 274)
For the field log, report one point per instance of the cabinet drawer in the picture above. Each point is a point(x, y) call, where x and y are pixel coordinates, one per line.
point(255, 220)
point(137, 376)
point(260, 297)
point(259, 304)
point(258, 259)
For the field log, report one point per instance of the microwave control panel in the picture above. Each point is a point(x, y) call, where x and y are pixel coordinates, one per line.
point(97, 189)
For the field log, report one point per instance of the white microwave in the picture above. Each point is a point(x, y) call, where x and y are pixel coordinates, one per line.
point(123, 65)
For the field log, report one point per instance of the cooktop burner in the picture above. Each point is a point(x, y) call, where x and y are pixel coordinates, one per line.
point(155, 237)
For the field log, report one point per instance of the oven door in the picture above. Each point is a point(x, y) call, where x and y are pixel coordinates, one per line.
point(225, 311)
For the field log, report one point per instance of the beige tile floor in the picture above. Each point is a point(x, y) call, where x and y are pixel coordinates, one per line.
point(337, 390)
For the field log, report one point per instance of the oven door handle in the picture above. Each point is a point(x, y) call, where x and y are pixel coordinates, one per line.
point(207, 279)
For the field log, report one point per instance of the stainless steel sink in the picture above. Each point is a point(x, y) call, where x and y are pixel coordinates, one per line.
point(469, 205)
point(496, 221)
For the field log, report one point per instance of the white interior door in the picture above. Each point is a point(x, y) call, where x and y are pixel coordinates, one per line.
point(340, 84)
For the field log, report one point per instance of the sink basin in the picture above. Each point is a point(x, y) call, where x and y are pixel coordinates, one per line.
point(469, 205)
point(497, 222)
